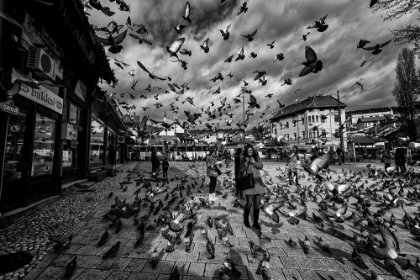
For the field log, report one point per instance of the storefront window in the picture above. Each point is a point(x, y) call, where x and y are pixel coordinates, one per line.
point(70, 146)
point(110, 155)
point(118, 153)
point(13, 164)
point(43, 153)
point(96, 142)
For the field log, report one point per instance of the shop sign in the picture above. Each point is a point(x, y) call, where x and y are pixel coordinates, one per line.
point(9, 107)
point(120, 139)
point(44, 97)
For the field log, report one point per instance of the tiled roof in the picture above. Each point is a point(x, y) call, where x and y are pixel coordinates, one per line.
point(372, 119)
point(318, 101)
point(366, 140)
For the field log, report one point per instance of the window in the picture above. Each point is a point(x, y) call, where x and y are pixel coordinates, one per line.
point(14, 160)
point(96, 142)
point(303, 120)
point(336, 118)
point(317, 119)
point(275, 131)
point(70, 146)
point(313, 118)
point(309, 119)
point(294, 136)
point(310, 134)
point(303, 134)
point(44, 143)
point(317, 133)
point(110, 149)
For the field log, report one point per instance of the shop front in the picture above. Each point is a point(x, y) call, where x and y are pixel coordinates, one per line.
point(30, 157)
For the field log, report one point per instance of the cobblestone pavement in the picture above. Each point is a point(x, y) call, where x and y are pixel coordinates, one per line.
point(31, 232)
point(134, 263)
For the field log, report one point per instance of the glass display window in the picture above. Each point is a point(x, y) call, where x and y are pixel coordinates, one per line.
point(44, 143)
point(69, 148)
point(13, 162)
point(110, 155)
point(96, 153)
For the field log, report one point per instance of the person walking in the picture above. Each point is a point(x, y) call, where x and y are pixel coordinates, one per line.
point(292, 165)
point(238, 174)
point(212, 173)
point(253, 186)
point(386, 155)
point(339, 152)
point(154, 159)
point(400, 160)
point(165, 167)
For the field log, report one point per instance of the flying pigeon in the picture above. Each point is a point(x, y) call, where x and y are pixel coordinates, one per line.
point(253, 55)
point(279, 57)
point(243, 9)
point(205, 45)
point(151, 76)
point(362, 43)
point(186, 16)
point(364, 62)
point(271, 45)
point(225, 32)
point(377, 48)
point(229, 59)
point(175, 47)
point(305, 36)
point(250, 37)
point(319, 24)
point(253, 102)
point(114, 42)
point(358, 84)
point(312, 64)
point(240, 55)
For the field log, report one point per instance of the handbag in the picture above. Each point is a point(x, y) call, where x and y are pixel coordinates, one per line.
point(248, 182)
point(219, 173)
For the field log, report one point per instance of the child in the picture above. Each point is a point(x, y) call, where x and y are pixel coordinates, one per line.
point(165, 166)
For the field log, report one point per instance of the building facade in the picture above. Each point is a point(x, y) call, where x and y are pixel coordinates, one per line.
point(50, 64)
point(313, 120)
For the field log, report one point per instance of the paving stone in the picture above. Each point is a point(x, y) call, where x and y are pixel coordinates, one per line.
point(292, 274)
point(93, 274)
point(162, 267)
point(57, 273)
point(288, 262)
point(143, 276)
point(310, 263)
point(196, 269)
point(332, 265)
point(212, 270)
point(118, 275)
point(89, 261)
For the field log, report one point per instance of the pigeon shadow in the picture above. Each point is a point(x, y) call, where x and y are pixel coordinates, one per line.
point(363, 274)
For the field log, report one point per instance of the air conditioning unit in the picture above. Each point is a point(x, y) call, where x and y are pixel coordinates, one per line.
point(41, 63)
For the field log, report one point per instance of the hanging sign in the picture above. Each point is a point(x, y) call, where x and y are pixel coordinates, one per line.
point(44, 97)
point(9, 107)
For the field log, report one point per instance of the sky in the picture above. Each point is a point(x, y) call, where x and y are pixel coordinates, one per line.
point(281, 21)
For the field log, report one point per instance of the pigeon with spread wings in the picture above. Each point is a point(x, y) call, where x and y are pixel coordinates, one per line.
point(377, 48)
point(225, 32)
point(175, 47)
point(337, 191)
point(319, 24)
point(318, 164)
point(114, 42)
point(205, 45)
point(241, 55)
point(250, 37)
point(151, 76)
point(253, 102)
point(312, 64)
point(293, 216)
point(243, 9)
point(186, 16)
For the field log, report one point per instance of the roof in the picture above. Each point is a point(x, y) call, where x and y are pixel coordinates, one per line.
point(317, 101)
point(367, 140)
point(372, 119)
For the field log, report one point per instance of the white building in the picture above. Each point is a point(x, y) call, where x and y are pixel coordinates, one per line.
point(310, 120)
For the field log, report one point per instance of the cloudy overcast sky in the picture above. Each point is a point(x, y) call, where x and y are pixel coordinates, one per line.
point(281, 21)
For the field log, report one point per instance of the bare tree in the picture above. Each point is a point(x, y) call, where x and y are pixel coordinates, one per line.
point(406, 91)
point(396, 9)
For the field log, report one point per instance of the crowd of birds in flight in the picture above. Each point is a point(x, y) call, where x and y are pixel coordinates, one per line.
point(175, 50)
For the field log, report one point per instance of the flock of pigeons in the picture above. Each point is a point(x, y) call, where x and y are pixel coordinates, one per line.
point(115, 36)
point(371, 194)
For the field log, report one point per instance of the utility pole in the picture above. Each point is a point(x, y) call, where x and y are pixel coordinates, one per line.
point(243, 116)
point(340, 124)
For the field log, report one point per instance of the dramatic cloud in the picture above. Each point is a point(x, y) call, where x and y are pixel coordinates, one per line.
point(281, 21)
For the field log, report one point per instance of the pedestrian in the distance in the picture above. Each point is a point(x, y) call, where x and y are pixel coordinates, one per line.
point(292, 165)
point(400, 160)
point(154, 159)
point(339, 152)
point(165, 167)
point(253, 186)
point(212, 173)
point(386, 155)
